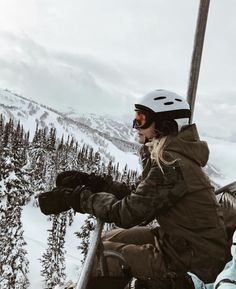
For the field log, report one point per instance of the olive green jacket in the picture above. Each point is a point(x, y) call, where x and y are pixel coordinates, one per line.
point(181, 199)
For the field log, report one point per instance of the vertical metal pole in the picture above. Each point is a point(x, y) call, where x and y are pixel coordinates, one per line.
point(88, 264)
point(197, 53)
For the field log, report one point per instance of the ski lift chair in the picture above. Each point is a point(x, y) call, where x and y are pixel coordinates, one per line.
point(226, 197)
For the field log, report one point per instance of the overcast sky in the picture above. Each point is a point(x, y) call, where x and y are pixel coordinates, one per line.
point(100, 55)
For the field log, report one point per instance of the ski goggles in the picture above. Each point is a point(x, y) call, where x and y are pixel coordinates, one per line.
point(143, 119)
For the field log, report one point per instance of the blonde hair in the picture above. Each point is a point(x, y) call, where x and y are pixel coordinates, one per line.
point(157, 151)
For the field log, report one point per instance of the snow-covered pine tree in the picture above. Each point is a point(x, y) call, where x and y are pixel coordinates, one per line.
point(72, 152)
point(37, 160)
point(66, 159)
point(116, 172)
point(1, 133)
point(66, 155)
point(134, 177)
point(124, 177)
point(14, 266)
point(51, 140)
point(53, 260)
point(13, 195)
point(90, 161)
point(81, 158)
point(97, 163)
point(110, 168)
point(50, 165)
point(103, 168)
point(63, 158)
point(85, 156)
point(84, 235)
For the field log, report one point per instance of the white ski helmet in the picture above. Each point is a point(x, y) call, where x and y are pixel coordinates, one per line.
point(162, 105)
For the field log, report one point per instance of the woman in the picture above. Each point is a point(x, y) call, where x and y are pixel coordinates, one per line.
point(173, 190)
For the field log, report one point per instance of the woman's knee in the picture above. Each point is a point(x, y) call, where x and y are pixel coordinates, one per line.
point(135, 235)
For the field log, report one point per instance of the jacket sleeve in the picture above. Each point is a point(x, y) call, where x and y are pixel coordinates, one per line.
point(156, 192)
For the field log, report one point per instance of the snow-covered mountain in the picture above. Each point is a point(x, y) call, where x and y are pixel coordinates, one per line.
point(112, 126)
point(113, 139)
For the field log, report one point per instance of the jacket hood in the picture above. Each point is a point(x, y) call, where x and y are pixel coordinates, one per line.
point(188, 144)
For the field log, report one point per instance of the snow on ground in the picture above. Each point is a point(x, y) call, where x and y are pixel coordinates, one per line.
point(35, 232)
point(131, 159)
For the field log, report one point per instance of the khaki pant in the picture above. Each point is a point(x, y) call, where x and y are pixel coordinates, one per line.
point(140, 249)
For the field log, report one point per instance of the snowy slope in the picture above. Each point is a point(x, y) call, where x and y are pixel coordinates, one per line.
point(31, 113)
point(35, 233)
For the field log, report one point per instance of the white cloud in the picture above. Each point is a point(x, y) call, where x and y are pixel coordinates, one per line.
point(98, 55)
point(61, 79)
point(215, 114)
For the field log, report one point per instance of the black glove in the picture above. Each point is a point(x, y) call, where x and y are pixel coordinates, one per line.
point(72, 179)
point(69, 186)
point(66, 195)
point(62, 199)
point(96, 183)
point(56, 201)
